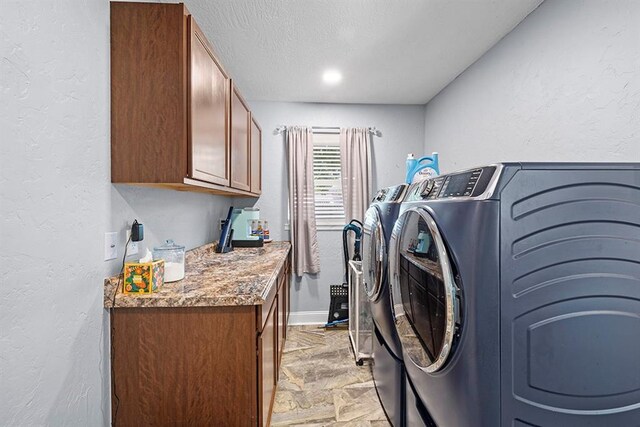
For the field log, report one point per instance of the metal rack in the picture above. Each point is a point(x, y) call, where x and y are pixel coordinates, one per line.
point(360, 320)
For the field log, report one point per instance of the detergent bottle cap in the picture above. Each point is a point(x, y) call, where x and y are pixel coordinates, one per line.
point(410, 156)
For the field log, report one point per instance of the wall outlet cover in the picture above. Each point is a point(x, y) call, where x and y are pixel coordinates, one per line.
point(110, 245)
point(132, 248)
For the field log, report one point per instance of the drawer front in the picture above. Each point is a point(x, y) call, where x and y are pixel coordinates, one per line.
point(264, 309)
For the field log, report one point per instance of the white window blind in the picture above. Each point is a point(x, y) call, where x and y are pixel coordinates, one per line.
point(327, 181)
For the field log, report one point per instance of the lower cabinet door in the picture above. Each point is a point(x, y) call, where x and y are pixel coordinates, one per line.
point(282, 318)
point(268, 362)
point(287, 287)
point(285, 310)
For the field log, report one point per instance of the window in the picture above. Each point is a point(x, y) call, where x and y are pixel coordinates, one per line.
point(327, 180)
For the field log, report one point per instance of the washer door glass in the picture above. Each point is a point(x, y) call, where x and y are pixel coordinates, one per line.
point(423, 291)
point(374, 254)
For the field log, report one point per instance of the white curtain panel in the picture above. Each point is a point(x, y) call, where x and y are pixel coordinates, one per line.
point(304, 238)
point(355, 157)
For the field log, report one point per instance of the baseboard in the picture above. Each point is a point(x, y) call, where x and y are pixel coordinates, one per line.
point(308, 317)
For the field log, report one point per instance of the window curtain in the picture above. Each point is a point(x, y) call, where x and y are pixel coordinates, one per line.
point(304, 239)
point(355, 157)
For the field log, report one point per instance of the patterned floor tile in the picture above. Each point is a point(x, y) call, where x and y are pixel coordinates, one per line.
point(355, 404)
point(320, 384)
point(303, 407)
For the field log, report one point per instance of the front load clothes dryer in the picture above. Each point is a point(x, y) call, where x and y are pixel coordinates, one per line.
point(388, 369)
point(515, 291)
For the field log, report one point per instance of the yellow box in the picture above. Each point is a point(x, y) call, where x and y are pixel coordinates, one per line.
point(143, 278)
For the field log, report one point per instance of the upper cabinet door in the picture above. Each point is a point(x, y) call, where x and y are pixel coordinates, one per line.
point(209, 112)
point(256, 157)
point(240, 150)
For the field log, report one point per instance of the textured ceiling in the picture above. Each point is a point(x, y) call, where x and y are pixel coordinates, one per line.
point(389, 51)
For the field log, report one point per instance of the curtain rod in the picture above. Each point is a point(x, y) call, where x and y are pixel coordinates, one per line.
point(327, 129)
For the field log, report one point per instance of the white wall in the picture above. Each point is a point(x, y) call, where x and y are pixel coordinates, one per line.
point(563, 86)
point(56, 203)
point(402, 128)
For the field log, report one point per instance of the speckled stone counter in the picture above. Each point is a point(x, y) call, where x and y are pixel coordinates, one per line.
point(241, 277)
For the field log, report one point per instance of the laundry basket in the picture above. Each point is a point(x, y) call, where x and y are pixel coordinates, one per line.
point(360, 321)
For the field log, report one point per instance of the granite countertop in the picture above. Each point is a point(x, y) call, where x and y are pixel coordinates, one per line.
point(241, 277)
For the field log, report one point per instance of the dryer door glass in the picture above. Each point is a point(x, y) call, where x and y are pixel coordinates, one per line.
point(423, 291)
point(374, 254)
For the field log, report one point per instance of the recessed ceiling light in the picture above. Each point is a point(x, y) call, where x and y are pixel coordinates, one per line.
point(332, 77)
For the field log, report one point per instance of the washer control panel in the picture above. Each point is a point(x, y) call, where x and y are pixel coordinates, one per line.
point(390, 194)
point(471, 183)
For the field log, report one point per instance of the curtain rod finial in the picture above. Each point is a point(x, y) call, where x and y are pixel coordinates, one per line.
point(375, 132)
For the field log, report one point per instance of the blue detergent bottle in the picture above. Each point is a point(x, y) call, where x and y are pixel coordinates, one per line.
point(416, 165)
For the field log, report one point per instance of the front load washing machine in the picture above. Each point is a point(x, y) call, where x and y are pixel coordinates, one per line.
point(388, 369)
point(516, 295)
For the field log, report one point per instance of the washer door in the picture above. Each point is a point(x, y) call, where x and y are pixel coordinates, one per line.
point(374, 254)
point(424, 295)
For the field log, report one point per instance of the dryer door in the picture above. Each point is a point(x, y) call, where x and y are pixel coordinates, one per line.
point(424, 295)
point(374, 254)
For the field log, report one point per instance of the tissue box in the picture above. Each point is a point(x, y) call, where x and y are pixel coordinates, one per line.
point(143, 277)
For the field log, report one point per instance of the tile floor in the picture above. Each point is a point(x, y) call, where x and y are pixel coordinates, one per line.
point(320, 384)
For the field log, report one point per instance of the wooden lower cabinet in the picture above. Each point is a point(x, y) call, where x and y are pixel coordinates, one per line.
point(198, 366)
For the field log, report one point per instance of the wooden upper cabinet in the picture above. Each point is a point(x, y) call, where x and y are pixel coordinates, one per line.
point(209, 111)
point(256, 157)
point(175, 121)
point(240, 150)
point(148, 93)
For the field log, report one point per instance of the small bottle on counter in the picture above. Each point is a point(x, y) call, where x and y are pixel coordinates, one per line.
point(265, 231)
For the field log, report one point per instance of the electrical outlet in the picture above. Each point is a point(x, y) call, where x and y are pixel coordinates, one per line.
point(110, 245)
point(132, 248)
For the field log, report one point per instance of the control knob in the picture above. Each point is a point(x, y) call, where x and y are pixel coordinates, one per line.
point(426, 188)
